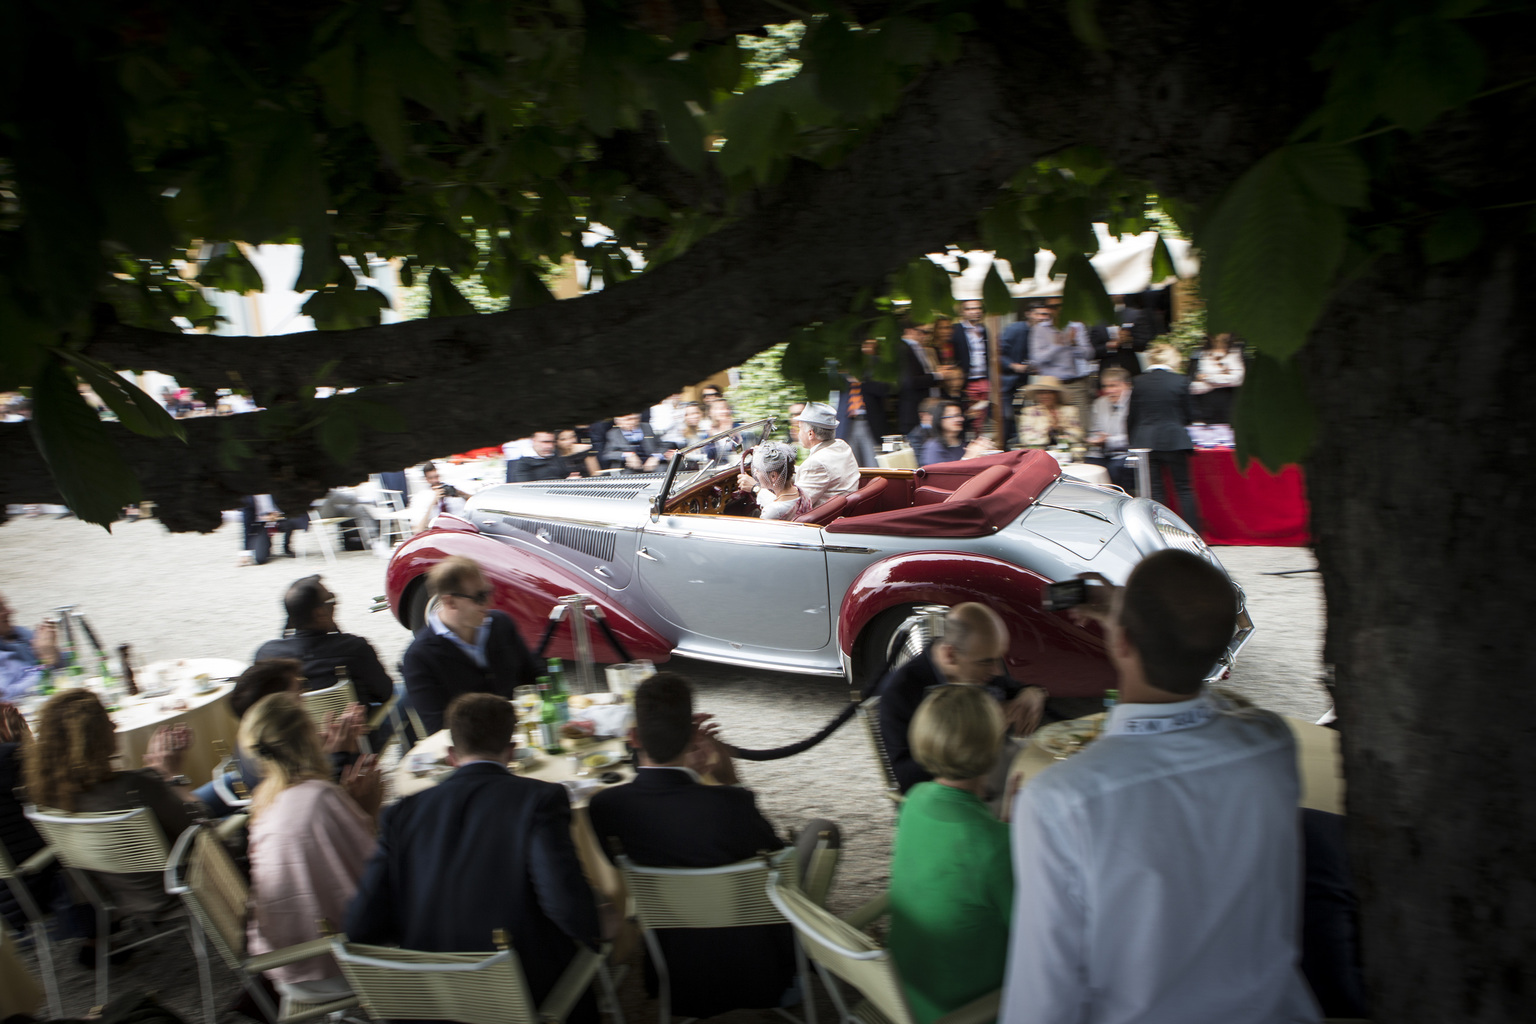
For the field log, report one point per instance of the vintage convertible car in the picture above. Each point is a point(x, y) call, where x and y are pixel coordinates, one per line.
point(676, 574)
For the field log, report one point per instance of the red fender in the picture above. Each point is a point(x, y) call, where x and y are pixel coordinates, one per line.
point(526, 589)
point(1047, 648)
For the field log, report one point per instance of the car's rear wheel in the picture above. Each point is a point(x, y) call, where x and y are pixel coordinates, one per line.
point(890, 640)
point(417, 601)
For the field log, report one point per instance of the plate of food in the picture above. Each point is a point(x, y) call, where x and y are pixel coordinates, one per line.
point(1063, 739)
point(600, 760)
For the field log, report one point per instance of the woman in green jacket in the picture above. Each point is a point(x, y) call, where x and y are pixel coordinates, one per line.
point(951, 876)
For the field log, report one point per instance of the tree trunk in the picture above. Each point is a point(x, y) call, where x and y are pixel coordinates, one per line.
point(1419, 489)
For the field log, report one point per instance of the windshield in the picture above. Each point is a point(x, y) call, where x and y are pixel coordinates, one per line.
point(709, 457)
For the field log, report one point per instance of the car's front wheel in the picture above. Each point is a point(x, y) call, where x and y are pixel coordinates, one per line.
point(417, 601)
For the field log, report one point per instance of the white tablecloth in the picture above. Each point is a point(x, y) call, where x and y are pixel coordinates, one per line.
point(206, 714)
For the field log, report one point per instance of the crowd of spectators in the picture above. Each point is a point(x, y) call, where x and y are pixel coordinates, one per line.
point(1157, 875)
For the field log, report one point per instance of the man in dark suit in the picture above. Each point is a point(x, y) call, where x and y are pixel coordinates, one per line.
point(969, 653)
point(1159, 419)
point(463, 647)
point(667, 818)
point(631, 446)
point(969, 338)
point(256, 512)
point(544, 463)
point(861, 408)
point(483, 850)
point(919, 375)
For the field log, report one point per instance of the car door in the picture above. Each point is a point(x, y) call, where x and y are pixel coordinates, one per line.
point(755, 585)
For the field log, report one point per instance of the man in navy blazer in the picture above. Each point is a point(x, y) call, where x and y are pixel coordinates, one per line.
point(1158, 418)
point(463, 647)
point(667, 818)
point(483, 850)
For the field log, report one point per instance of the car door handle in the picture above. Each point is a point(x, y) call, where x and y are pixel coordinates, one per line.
point(601, 571)
point(647, 555)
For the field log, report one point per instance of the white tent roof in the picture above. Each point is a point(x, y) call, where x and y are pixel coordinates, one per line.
point(1124, 263)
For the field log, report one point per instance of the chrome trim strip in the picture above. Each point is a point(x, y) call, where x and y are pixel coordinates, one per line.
point(840, 549)
point(602, 524)
point(1095, 513)
point(754, 543)
point(772, 666)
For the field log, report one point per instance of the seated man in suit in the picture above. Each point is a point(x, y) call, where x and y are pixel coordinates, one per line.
point(970, 652)
point(464, 647)
point(483, 850)
point(311, 635)
point(257, 513)
point(543, 462)
point(667, 818)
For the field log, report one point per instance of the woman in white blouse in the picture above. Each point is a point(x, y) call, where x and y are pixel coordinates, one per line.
point(1219, 370)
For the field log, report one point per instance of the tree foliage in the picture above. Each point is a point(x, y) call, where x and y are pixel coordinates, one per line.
point(478, 140)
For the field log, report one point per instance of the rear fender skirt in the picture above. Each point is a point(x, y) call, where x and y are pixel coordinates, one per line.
point(526, 589)
point(1047, 647)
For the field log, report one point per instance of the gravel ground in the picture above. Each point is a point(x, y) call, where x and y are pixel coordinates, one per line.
point(183, 596)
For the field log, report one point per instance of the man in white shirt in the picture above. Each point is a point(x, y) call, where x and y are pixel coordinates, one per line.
point(1157, 873)
point(830, 470)
point(1107, 427)
point(437, 499)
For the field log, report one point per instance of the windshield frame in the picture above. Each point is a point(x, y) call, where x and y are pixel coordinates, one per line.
point(712, 469)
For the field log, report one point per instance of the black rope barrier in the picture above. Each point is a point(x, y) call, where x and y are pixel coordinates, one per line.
point(795, 748)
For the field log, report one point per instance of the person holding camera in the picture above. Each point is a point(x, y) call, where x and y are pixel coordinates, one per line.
point(438, 499)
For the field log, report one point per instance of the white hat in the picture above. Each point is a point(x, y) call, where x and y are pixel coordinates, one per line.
point(818, 414)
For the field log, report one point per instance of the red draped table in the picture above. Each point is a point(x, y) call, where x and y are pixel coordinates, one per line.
point(1253, 508)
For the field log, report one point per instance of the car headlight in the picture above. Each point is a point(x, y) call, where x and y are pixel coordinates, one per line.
point(1177, 535)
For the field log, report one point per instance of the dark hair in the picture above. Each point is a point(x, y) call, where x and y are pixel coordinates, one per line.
point(266, 677)
point(429, 467)
point(933, 407)
point(480, 723)
point(664, 716)
point(303, 599)
point(1179, 612)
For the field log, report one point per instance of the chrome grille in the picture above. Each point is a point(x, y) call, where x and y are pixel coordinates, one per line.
point(598, 543)
point(600, 490)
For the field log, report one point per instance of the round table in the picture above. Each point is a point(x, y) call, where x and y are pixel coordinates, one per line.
point(206, 714)
point(1086, 472)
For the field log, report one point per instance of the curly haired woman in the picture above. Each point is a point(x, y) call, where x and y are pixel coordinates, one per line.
point(69, 767)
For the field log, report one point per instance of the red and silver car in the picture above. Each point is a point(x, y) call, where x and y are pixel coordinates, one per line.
point(675, 574)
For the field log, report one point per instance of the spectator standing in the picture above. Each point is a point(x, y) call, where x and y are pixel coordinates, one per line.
point(919, 379)
point(861, 409)
point(463, 647)
point(438, 499)
point(483, 850)
point(1158, 419)
point(689, 428)
point(1107, 427)
point(1219, 372)
point(543, 462)
point(1156, 873)
point(631, 445)
point(1064, 353)
point(951, 887)
point(969, 340)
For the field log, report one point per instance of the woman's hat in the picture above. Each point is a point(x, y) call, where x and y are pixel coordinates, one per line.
point(1040, 384)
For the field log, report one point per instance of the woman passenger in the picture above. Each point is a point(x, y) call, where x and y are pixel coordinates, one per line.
point(310, 841)
point(951, 889)
point(773, 471)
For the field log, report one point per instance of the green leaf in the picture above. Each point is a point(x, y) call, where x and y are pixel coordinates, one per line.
point(684, 134)
point(1162, 261)
point(1003, 231)
point(134, 409)
point(345, 307)
point(381, 110)
point(446, 299)
point(995, 296)
point(1065, 223)
point(526, 288)
point(85, 464)
point(851, 74)
point(230, 271)
point(1083, 297)
point(1434, 66)
point(1452, 235)
point(1271, 249)
point(1085, 23)
point(1330, 171)
point(753, 124)
point(1273, 418)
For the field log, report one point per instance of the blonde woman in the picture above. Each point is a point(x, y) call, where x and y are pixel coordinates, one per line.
point(951, 885)
point(310, 840)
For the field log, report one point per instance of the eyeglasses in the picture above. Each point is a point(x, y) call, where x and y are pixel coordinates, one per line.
point(479, 596)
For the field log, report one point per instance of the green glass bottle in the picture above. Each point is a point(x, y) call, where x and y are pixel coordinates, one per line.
point(558, 688)
point(549, 721)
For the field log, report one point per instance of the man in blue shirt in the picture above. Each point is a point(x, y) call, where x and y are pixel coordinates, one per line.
point(24, 654)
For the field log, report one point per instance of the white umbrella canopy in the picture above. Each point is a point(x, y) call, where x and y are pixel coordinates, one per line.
point(1124, 264)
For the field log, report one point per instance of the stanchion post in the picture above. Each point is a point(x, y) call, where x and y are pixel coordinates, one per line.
point(577, 605)
point(1143, 460)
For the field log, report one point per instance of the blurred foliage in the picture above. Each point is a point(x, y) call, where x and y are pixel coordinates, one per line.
point(761, 390)
point(476, 141)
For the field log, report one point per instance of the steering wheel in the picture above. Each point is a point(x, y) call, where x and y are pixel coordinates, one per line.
point(742, 502)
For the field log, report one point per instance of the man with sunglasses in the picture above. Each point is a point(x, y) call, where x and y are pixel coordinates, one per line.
point(464, 647)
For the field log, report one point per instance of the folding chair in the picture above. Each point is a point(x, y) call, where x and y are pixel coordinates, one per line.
point(842, 951)
point(731, 896)
point(395, 520)
point(17, 877)
point(319, 531)
point(200, 871)
point(474, 988)
point(113, 843)
point(338, 697)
